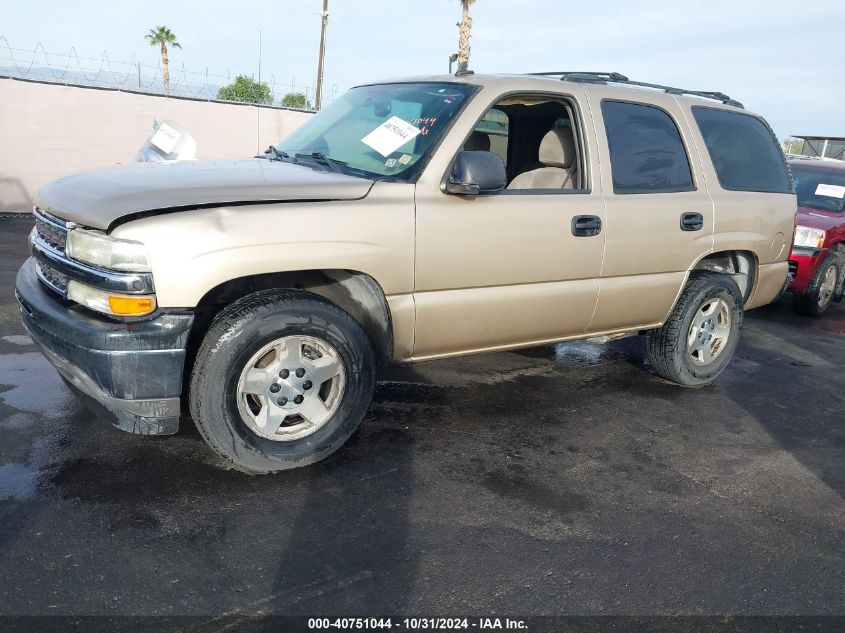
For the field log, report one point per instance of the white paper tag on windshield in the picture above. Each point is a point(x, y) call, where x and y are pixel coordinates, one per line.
point(831, 191)
point(165, 138)
point(390, 136)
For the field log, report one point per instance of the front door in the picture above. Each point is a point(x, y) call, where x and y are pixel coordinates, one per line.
point(506, 269)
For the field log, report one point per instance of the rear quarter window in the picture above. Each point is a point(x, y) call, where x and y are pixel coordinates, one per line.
point(743, 150)
point(647, 154)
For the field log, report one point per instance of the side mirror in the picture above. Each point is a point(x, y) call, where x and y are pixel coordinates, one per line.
point(477, 172)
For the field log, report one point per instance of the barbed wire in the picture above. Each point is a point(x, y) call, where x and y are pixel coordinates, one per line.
point(103, 72)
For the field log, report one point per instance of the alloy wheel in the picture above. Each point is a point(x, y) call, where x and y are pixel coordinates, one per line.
point(291, 387)
point(709, 331)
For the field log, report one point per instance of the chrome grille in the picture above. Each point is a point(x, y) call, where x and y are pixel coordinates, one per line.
point(52, 277)
point(55, 269)
point(51, 229)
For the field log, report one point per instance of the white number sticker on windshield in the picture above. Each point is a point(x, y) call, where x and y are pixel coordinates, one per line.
point(831, 191)
point(390, 136)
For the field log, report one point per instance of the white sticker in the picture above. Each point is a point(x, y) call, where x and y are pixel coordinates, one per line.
point(165, 138)
point(390, 136)
point(831, 191)
point(390, 162)
point(405, 159)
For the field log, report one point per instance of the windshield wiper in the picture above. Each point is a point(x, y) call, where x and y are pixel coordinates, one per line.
point(271, 153)
point(332, 163)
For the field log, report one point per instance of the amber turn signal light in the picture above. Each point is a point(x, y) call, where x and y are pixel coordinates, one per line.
point(131, 306)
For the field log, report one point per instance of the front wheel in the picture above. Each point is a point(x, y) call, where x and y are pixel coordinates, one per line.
point(818, 296)
point(698, 340)
point(281, 380)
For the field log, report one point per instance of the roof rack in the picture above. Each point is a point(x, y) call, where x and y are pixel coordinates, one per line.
point(619, 78)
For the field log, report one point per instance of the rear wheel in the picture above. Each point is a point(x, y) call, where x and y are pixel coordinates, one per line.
point(698, 340)
point(281, 380)
point(818, 296)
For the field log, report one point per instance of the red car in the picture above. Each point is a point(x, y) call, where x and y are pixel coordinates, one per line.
point(818, 251)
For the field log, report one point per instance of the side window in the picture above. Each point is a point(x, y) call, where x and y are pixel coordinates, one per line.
point(743, 150)
point(537, 138)
point(491, 134)
point(647, 154)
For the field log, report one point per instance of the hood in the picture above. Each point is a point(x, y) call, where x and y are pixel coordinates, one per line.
point(98, 198)
point(818, 219)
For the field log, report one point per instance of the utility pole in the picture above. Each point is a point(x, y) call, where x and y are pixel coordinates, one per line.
point(318, 98)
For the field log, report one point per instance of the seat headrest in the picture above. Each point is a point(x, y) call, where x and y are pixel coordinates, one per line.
point(477, 142)
point(557, 149)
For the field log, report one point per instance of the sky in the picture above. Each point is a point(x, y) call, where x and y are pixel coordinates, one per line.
point(781, 59)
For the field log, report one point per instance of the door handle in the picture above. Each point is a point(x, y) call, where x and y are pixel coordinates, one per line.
point(586, 225)
point(692, 221)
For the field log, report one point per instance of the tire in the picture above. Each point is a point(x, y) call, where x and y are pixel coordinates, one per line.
point(818, 296)
point(669, 350)
point(298, 328)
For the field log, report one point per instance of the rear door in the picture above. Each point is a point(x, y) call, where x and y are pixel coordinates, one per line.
point(659, 213)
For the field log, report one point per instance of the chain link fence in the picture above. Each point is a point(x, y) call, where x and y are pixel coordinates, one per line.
point(71, 68)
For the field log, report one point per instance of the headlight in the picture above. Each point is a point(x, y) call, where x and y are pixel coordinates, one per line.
point(107, 252)
point(110, 303)
point(806, 236)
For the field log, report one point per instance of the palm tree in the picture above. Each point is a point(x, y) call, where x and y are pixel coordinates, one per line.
point(465, 28)
point(162, 36)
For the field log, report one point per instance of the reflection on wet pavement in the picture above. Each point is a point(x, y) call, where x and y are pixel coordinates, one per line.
point(32, 401)
point(31, 384)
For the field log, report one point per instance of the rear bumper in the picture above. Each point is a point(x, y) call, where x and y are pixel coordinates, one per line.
point(771, 280)
point(133, 369)
point(807, 261)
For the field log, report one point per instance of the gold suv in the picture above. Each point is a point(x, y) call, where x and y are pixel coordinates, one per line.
point(408, 221)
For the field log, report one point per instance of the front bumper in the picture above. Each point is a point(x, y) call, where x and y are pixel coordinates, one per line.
point(134, 369)
point(807, 261)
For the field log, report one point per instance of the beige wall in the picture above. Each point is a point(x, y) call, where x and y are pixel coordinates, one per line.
point(50, 130)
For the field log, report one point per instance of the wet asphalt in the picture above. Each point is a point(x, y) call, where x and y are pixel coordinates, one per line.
point(555, 480)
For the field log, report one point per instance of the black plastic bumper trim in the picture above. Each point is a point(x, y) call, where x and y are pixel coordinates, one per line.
point(134, 369)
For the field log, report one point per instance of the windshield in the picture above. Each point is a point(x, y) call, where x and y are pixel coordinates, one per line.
point(383, 132)
point(819, 187)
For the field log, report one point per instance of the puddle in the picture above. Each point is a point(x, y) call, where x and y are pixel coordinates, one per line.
point(32, 398)
point(35, 385)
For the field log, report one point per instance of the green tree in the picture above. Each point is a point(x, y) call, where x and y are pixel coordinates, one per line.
point(162, 36)
point(465, 30)
point(296, 100)
point(246, 90)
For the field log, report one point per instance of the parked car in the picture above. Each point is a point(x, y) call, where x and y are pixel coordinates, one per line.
point(260, 295)
point(818, 253)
